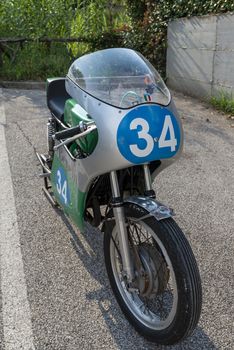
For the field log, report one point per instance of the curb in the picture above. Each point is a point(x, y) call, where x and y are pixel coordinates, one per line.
point(26, 85)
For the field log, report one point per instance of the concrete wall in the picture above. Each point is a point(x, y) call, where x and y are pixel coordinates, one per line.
point(200, 55)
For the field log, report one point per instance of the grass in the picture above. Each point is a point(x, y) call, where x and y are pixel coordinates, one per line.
point(224, 102)
point(36, 62)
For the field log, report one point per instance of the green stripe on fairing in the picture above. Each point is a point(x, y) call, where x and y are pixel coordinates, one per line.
point(75, 209)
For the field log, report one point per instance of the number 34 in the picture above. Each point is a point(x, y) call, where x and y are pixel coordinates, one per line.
point(61, 187)
point(144, 134)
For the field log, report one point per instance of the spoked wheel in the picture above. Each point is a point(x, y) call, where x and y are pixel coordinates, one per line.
point(164, 301)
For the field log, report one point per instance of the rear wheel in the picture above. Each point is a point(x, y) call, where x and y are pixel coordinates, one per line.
point(164, 301)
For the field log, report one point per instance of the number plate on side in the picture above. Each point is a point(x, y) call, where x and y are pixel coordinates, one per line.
point(148, 133)
point(62, 186)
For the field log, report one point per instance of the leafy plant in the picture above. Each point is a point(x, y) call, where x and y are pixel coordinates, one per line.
point(33, 62)
point(224, 102)
point(97, 22)
point(35, 18)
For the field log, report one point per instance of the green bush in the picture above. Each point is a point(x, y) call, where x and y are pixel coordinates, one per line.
point(224, 102)
point(97, 22)
point(36, 62)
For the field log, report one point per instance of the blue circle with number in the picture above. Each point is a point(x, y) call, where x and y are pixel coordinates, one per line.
point(148, 133)
point(62, 186)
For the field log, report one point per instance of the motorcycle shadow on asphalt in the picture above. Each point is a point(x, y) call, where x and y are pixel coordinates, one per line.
point(89, 249)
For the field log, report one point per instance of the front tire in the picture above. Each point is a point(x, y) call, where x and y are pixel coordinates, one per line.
point(167, 308)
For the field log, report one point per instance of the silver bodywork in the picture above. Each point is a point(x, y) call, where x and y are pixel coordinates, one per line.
point(106, 157)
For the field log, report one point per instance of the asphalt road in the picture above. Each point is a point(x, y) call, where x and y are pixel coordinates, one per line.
point(68, 303)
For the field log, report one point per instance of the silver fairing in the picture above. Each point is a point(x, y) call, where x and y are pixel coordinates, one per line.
point(106, 156)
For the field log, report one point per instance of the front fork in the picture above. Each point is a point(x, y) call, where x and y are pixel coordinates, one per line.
point(118, 209)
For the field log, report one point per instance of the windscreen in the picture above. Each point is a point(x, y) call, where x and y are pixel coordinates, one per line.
point(120, 77)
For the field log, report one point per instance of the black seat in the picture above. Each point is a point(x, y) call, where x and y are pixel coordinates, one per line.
point(57, 96)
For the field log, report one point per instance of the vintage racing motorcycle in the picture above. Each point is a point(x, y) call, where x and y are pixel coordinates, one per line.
point(113, 128)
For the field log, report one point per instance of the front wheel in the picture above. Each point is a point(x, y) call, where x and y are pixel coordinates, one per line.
point(164, 301)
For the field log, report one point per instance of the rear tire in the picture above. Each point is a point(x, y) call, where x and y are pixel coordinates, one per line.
point(168, 253)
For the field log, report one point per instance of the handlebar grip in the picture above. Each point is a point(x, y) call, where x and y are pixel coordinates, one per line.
point(65, 134)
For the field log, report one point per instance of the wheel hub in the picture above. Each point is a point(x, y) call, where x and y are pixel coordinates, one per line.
point(153, 278)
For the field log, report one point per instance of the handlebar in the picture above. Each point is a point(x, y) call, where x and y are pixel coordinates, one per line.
point(64, 134)
point(74, 133)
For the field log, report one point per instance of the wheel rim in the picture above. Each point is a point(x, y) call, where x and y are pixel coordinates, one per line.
point(159, 312)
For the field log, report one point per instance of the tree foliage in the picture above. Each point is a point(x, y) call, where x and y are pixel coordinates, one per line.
point(100, 19)
point(35, 18)
point(97, 22)
point(56, 18)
